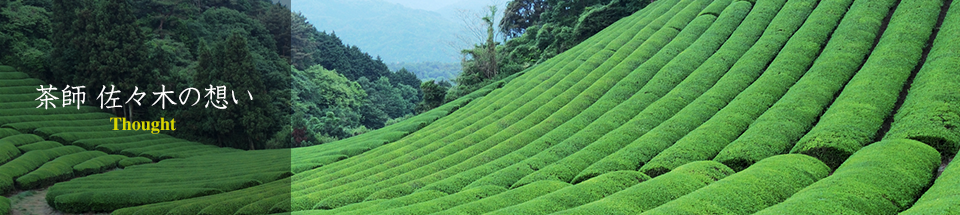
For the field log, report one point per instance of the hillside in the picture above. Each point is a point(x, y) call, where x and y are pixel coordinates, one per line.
point(391, 31)
point(685, 107)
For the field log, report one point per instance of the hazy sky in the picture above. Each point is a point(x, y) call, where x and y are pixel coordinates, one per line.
point(437, 30)
point(443, 5)
point(431, 5)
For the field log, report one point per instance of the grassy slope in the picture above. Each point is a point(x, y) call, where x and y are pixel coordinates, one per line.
point(530, 145)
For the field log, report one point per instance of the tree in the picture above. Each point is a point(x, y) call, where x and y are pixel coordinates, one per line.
point(166, 17)
point(521, 14)
point(433, 95)
point(278, 21)
point(120, 56)
point(70, 20)
point(325, 103)
point(404, 77)
point(99, 43)
point(385, 96)
point(480, 64)
point(246, 122)
point(484, 56)
point(303, 42)
point(598, 18)
point(23, 37)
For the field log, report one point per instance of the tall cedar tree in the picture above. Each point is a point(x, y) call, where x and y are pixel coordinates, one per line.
point(61, 19)
point(231, 65)
point(303, 42)
point(98, 44)
point(277, 20)
point(120, 53)
point(69, 38)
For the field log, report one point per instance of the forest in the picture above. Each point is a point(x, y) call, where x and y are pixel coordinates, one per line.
point(322, 85)
point(299, 78)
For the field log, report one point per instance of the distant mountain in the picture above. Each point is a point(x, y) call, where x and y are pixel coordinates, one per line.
point(394, 32)
point(473, 6)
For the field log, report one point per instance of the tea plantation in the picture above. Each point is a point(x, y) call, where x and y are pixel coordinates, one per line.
point(685, 107)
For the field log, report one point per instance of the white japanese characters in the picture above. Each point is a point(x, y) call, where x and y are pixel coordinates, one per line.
point(216, 96)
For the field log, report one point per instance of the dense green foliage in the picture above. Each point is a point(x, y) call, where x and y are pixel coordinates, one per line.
point(331, 107)
point(6, 132)
point(657, 85)
point(4, 205)
point(39, 146)
point(30, 118)
point(940, 132)
point(581, 193)
point(21, 139)
point(28, 127)
point(778, 127)
point(23, 41)
point(448, 201)
point(34, 159)
point(433, 94)
point(59, 169)
point(707, 108)
point(233, 171)
point(689, 91)
point(128, 162)
point(8, 151)
point(692, 85)
point(555, 25)
point(328, 102)
point(931, 111)
point(93, 143)
point(554, 98)
point(508, 198)
point(97, 43)
point(632, 155)
point(939, 197)
point(215, 173)
point(764, 184)
point(97, 165)
point(174, 45)
point(868, 99)
point(884, 178)
point(539, 30)
point(657, 191)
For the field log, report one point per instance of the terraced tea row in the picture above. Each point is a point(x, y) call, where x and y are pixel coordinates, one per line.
point(801, 69)
point(692, 83)
point(706, 105)
point(265, 172)
point(670, 75)
point(685, 107)
point(931, 114)
point(555, 101)
point(868, 99)
point(31, 160)
point(321, 204)
point(797, 110)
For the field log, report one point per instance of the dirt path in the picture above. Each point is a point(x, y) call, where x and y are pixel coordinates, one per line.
point(33, 202)
point(943, 165)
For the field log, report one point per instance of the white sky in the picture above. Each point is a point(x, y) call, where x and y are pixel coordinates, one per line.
point(431, 5)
